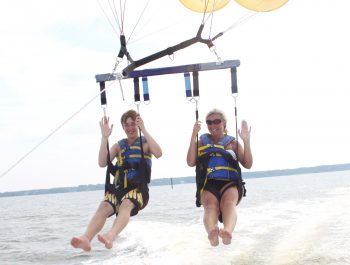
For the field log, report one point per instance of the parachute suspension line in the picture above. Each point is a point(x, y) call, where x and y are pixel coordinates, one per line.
point(205, 11)
point(109, 21)
point(138, 20)
point(211, 17)
point(122, 50)
point(157, 31)
point(116, 17)
point(206, 4)
point(122, 14)
point(51, 134)
point(211, 24)
point(249, 15)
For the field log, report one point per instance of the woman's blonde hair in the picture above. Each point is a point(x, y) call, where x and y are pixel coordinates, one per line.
point(222, 117)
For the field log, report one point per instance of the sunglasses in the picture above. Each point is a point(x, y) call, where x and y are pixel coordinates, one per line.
point(216, 122)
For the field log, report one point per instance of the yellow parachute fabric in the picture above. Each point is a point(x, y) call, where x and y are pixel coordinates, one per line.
point(204, 6)
point(262, 5)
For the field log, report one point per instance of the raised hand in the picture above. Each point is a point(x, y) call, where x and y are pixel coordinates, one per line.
point(244, 132)
point(106, 130)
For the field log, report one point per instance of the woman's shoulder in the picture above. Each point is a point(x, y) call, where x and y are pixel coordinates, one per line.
point(229, 138)
point(205, 138)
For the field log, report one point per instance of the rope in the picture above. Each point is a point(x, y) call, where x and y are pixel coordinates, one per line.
point(109, 21)
point(51, 134)
point(138, 21)
point(242, 20)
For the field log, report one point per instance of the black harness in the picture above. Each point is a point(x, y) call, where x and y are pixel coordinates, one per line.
point(201, 174)
point(141, 182)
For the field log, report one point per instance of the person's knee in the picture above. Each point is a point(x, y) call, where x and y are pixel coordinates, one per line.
point(126, 205)
point(212, 207)
point(105, 209)
point(225, 204)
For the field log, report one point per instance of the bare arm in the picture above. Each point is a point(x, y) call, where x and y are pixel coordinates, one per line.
point(106, 132)
point(244, 153)
point(152, 146)
point(192, 150)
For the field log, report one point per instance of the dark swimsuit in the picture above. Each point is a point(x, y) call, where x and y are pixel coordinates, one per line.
point(218, 187)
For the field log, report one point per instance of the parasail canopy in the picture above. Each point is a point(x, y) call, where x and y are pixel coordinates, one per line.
point(204, 6)
point(262, 5)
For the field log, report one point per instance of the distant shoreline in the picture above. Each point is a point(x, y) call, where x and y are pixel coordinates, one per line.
point(183, 180)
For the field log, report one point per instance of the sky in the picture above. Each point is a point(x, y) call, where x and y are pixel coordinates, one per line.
point(293, 85)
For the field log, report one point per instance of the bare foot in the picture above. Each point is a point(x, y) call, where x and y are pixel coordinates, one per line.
point(81, 242)
point(226, 236)
point(213, 236)
point(104, 239)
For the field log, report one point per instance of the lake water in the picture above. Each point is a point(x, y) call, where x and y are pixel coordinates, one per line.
point(301, 219)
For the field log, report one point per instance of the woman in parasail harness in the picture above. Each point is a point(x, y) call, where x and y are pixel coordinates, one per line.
point(129, 192)
point(218, 177)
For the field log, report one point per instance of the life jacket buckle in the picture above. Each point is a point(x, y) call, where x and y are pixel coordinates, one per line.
point(210, 170)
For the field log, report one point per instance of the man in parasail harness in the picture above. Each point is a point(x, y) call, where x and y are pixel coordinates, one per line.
point(129, 192)
point(218, 177)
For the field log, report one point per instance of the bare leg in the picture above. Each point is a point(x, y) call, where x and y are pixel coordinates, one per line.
point(229, 214)
point(118, 225)
point(96, 224)
point(210, 219)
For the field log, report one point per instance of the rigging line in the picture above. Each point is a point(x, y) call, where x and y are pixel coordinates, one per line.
point(211, 13)
point(205, 11)
point(122, 14)
point(211, 20)
point(106, 16)
point(139, 19)
point(154, 32)
point(115, 15)
point(52, 133)
point(242, 20)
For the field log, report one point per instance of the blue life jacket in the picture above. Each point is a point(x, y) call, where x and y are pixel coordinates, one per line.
point(219, 166)
point(129, 160)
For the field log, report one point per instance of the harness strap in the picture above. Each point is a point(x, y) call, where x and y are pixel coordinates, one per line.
point(205, 182)
point(212, 169)
point(125, 178)
point(136, 90)
point(145, 88)
point(211, 145)
point(111, 169)
point(139, 156)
